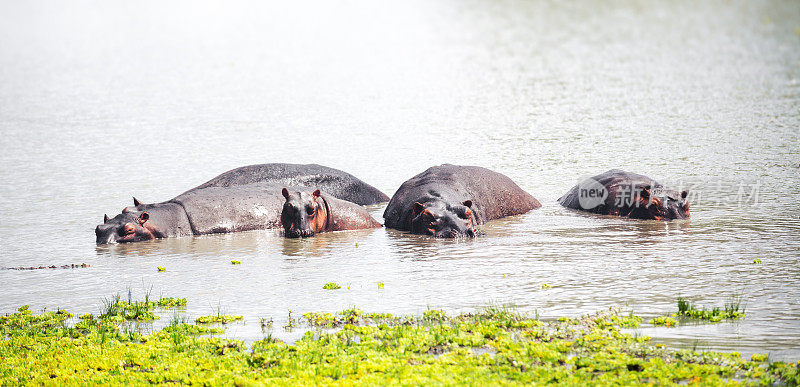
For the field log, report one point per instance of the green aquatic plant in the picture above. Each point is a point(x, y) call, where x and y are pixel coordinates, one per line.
point(433, 315)
point(757, 261)
point(218, 319)
point(331, 286)
point(468, 349)
point(664, 321)
point(326, 320)
point(380, 285)
point(234, 262)
point(291, 322)
point(733, 309)
point(117, 310)
point(546, 286)
point(266, 324)
point(629, 321)
point(169, 302)
point(684, 305)
point(471, 349)
point(759, 357)
point(161, 268)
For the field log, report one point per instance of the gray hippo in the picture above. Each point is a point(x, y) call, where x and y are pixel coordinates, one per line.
point(234, 202)
point(449, 201)
point(625, 194)
point(340, 184)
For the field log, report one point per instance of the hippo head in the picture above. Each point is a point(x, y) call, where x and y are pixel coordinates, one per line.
point(303, 214)
point(660, 204)
point(440, 219)
point(130, 226)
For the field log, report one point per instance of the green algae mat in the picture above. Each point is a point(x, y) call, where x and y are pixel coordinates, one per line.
point(495, 346)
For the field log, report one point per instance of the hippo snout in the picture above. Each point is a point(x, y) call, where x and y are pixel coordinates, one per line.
point(299, 233)
point(104, 235)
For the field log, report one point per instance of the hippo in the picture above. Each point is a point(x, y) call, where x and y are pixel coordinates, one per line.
point(340, 184)
point(625, 194)
point(305, 214)
point(449, 201)
point(233, 202)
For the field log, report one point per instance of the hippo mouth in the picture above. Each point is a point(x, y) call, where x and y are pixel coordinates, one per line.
point(446, 233)
point(294, 233)
point(452, 234)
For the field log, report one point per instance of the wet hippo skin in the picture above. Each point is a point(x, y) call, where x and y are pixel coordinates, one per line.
point(247, 198)
point(619, 193)
point(450, 201)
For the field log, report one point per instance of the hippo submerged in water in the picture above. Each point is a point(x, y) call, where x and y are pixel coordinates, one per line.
point(449, 201)
point(250, 198)
point(305, 214)
point(625, 194)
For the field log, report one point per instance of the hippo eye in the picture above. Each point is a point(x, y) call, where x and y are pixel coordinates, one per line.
point(310, 210)
point(464, 214)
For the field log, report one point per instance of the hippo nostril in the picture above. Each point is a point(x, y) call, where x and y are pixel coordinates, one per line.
point(471, 233)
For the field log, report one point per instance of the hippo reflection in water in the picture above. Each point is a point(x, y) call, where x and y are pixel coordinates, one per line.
point(449, 201)
point(247, 198)
point(630, 195)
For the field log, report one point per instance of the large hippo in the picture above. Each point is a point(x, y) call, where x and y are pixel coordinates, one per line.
point(233, 202)
point(450, 201)
point(630, 195)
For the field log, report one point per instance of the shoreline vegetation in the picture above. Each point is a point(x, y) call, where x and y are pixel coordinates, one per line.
point(495, 345)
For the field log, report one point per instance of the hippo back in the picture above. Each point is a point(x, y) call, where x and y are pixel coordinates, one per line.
point(493, 195)
point(344, 215)
point(232, 209)
point(338, 183)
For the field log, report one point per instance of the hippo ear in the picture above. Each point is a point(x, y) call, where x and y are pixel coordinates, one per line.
point(684, 194)
point(468, 203)
point(143, 217)
point(105, 218)
point(136, 202)
point(317, 193)
point(285, 193)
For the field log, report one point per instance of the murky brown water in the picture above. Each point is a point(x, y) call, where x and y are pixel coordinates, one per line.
point(102, 101)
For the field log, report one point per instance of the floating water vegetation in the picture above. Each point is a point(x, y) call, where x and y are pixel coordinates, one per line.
point(757, 261)
point(218, 318)
point(380, 285)
point(169, 302)
point(235, 262)
point(546, 286)
point(664, 321)
point(732, 309)
point(489, 347)
point(115, 309)
point(161, 268)
point(331, 286)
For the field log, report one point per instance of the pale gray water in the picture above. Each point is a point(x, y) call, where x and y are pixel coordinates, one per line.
point(103, 100)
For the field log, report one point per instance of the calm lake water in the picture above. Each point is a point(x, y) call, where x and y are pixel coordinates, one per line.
point(101, 101)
